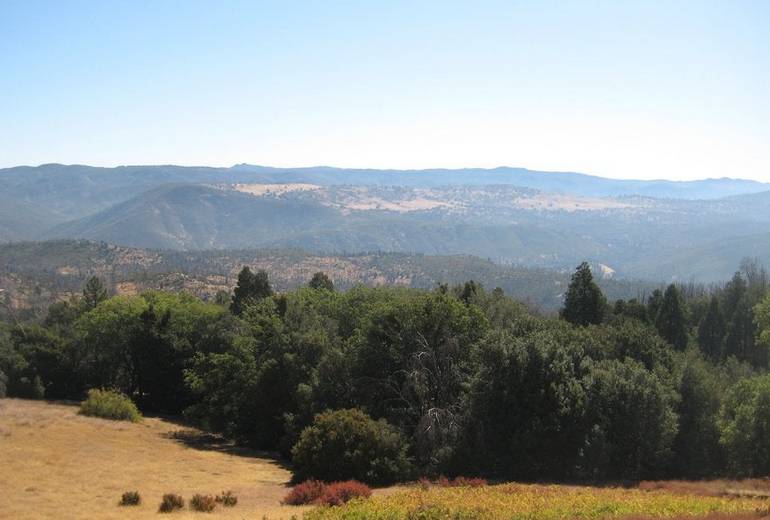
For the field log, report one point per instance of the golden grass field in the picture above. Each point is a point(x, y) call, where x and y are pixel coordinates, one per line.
point(56, 464)
point(542, 502)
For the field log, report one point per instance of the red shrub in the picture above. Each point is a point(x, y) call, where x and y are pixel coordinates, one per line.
point(334, 494)
point(305, 493)
point(337, 493)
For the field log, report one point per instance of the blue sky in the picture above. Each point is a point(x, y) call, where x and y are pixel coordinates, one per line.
point(670, 89)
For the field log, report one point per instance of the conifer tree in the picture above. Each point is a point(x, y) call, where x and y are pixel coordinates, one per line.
point(585, 302)
point(671, 320)
point(251, 288)
point(93, 293)
point(711, 330)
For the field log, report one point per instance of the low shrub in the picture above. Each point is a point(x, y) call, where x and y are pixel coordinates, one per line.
point(348, 444)
point(130, 498)
point(319, 493)
point(304, 493)
point(227, 499)
point(110, 404)
point(203, 503)
point(338, 493)
point(170, 503)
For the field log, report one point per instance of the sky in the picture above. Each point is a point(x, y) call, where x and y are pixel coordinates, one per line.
point(654, 89)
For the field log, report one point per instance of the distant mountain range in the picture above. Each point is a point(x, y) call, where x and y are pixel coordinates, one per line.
point(656, 230)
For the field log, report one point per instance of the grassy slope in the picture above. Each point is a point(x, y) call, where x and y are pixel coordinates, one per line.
point(58, 464)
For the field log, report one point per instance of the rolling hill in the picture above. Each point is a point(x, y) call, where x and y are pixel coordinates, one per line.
point(509, 215)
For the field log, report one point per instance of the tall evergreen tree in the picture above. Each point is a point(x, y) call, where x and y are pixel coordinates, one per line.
point(671, 320)
point(321, 281)
point(740, 334)
point(711, 330)
point(251, 288)
point(653, 304)
point(585, 302)
point(93, 293)
point(733, 293)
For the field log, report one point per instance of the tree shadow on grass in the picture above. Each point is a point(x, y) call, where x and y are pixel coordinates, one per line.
point(205, 441)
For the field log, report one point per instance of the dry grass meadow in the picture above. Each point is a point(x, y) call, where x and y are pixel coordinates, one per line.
point(57, 464)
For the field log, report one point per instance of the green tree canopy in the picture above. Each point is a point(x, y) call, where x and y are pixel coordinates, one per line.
point(671, 320)
point(93, 293)
point(585, 303)
point(711, 330)
point(251, 288)
point(321, 281)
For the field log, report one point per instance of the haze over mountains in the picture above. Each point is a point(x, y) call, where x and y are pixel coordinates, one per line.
point(656, 230)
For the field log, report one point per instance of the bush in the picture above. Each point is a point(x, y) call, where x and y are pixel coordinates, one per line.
point(3, 381)
point(318, 493)
point(227, 499)
point(203, 503)
point(109, 404)
point(130, 498)
point(170, 503)
point(338, 493)
point(348, 444)
point(304, 493)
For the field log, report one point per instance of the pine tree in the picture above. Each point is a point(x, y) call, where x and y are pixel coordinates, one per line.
point(93, 293)
point(740, 333)
point(671, 320)
point(585, 302)
point(251, 287)
point(711, 330)
point(321, 281)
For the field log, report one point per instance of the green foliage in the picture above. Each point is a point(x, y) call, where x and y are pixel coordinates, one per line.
point(584, 303)
point(457, 381)
point(671, 320)
point(251, 288)
point(3, 384)
point(762, 322)
point(712, 330)
point(631, 421)
point(745, 426)
point(348, 444)
point(696, 447)
point(93, 293)
point(527, 406)
point(109, 404)
point(321, 281)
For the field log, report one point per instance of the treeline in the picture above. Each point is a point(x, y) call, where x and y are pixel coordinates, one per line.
point(387, 384)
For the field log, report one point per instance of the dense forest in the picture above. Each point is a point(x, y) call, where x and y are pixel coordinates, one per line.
point(389, 384)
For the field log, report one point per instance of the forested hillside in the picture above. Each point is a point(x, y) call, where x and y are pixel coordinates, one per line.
point(653, 230)
point(455, 380)
point(35, 274)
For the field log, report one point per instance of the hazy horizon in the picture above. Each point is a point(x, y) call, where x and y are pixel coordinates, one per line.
point(427, 169)
point(633, 90)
